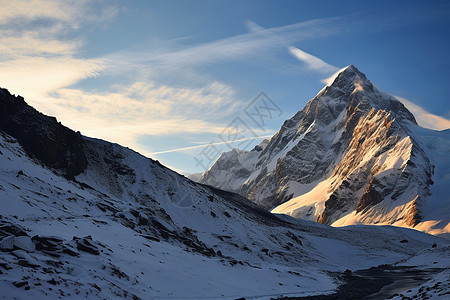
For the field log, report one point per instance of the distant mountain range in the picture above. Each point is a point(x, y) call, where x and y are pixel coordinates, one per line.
point(353, 155)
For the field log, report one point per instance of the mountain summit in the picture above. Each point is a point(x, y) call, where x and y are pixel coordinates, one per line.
point(354, 154)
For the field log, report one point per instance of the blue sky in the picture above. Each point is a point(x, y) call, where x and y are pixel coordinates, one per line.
point(175, 79)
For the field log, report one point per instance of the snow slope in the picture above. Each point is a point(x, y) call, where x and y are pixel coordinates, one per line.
point(127, 227)
point(353, 155)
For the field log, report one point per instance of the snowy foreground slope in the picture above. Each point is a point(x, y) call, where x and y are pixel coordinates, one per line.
point(84, 218)
point(353, 155)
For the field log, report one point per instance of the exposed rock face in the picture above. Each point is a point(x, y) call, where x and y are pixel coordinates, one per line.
point(13, 237)
point(42, 137)
point(354, 139)
point(232, 168)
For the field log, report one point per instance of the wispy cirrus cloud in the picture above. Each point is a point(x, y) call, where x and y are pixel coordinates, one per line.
point(39, 52)
point(312, 62)
point(209, 144)
point(38, 61)
point(146, 101)
point(208, 103)
point(15, 45)
point(41, 59)
point(125, 113)
point(61, 13)
point(425, 118)
point(35, 77)
point(241, 47)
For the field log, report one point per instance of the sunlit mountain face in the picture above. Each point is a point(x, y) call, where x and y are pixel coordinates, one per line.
point(353, 155)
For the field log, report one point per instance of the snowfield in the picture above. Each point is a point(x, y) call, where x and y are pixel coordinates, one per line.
point(146, 232)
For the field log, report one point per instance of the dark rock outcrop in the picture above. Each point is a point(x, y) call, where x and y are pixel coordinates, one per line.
point(52, 246)
point(42, 137)
point(86, 244)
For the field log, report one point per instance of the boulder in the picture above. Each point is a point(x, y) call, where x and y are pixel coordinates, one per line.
point(7, 228)
point(24, 243)
point(68, 249)
point(7, 243)
point(25, 259)
point(50, 245)
point(143, 219)
point(87, 245)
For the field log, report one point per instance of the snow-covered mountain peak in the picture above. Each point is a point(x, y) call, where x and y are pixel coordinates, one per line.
point(351, 153)
point(350, 88)
point(348, 76)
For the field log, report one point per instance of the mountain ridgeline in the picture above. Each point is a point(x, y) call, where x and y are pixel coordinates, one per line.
point(351, 155)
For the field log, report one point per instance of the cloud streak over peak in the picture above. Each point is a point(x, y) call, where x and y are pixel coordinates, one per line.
point(425, 118)
point(312, 62)
point(235, 48)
